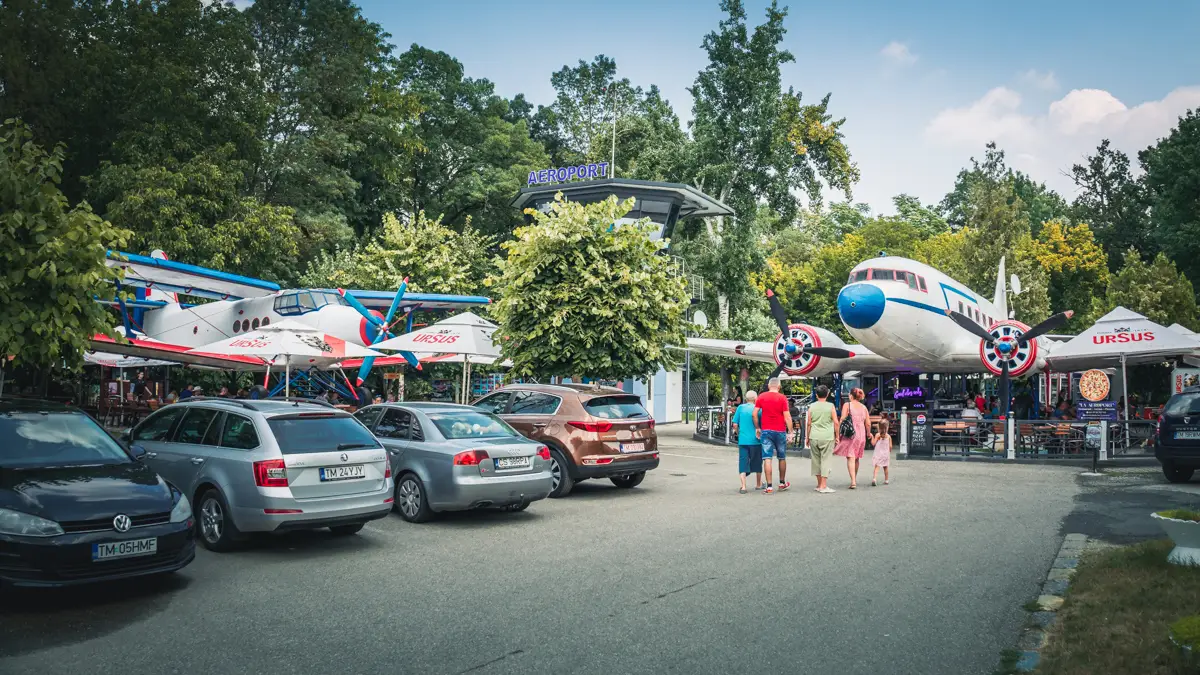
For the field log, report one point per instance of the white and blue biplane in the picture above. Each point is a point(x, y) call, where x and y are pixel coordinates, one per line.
point(158, 326)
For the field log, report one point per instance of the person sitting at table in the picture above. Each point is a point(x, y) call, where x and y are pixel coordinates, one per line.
point(970, 412)
point(1061, 412)
point(993, 412)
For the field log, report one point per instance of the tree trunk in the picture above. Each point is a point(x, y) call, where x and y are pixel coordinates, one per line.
point(723, 311)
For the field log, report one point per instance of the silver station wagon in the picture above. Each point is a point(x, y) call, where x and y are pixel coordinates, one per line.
point(267, 466)
point(455, 457)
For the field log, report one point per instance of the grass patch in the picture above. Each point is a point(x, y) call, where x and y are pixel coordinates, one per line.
point(1118, 613)
point(1180, 514)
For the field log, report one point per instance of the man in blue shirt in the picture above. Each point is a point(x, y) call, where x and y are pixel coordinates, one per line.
point(749, 445)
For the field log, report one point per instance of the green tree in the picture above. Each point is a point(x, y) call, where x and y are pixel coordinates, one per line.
point(195, 211)
point(476, 158)
point(925, 218)
point(1037, 203)
point(1172, 182)
point(1113, 203)
point(1158, 291)
point(755, 143)
point(580, 297)
point(947, 252)
point(435, 258)
point(129, 81)
point(1077, 269)
point(53, 258)
point(339, 124)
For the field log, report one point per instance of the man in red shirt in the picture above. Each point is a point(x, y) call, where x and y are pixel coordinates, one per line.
point(773, 420)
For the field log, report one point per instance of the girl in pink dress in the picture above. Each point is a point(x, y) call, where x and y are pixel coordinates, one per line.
point(852, 448)
point(883, 452)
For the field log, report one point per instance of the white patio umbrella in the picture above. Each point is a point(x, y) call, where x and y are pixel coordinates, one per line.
point(1121, 337)
point(467, 335)
point(293, 342)
point(121, 361)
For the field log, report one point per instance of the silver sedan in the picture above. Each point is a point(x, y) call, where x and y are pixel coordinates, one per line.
point(448, 457)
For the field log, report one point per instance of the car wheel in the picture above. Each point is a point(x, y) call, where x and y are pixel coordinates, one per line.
point(1177, 474)
point(214, 525)
point(411, 500)
point(630, 481)
point(346, 530)
point(560, 472)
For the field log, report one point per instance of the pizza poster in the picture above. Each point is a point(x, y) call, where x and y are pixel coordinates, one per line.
point(1184, 377)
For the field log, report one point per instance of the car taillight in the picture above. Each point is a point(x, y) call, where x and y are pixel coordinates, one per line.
point(599, 427)
point(387, 473)
point(470, 457)
point(270, 473)
point(652, 423)
point(1158, 426)
point(544, 453)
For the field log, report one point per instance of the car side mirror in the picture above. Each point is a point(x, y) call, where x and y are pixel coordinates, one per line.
point(138, 452)
point(126, 436)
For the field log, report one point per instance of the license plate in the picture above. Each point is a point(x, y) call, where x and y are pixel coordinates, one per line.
point(351, 472)
point(1187, 435)
point(633, 447)
point(512, 462)
point(125, 549)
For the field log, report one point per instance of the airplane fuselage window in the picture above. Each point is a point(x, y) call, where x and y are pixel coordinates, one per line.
point(303, 302)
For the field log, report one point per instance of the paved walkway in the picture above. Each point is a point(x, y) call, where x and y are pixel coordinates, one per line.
point(682, 574)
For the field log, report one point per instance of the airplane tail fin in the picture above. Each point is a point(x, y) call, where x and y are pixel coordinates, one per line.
point(1000, 299)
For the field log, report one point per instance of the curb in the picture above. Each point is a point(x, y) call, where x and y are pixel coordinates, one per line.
point(1034, 636)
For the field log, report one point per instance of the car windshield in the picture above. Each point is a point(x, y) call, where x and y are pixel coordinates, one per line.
point(616, 407)
point(319, 432)
point(55, 439)
point(1182, 404)
point(471, 424)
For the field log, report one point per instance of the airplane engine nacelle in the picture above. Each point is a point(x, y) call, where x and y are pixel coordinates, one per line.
point(1006, 344)
point(789, 349)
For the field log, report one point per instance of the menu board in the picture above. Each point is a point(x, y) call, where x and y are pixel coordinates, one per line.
point(920, 435)
point(1097, 410)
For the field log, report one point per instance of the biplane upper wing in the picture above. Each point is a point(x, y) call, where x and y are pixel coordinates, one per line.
point(175, 277)
point(382, 300)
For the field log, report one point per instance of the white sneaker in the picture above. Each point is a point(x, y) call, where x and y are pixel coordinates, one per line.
point(827, 490)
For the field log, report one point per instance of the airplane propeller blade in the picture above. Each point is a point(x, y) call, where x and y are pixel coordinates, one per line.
point(353, 302)
point(966, 322)
point(777, 312)
point(395, 303)
point(829, 352)
point(1046, 326)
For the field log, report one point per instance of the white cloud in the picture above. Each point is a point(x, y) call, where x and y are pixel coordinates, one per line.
point(1046, 143)
point(1045, 81)
point(898, 53)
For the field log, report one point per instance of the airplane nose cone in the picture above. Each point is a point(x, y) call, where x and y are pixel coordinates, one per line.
point(861, 305)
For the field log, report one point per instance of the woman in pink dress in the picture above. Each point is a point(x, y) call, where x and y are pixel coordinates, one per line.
point(852, 448)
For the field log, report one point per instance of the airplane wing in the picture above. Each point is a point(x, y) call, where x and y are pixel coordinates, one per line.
point(175, 277)
point(382, 300)
point(864, 360)
point(162, 351)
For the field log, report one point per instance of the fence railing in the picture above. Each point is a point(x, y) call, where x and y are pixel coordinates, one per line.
point(713, 423)
point(1139, 439)
point(1040, 439)
point(967, 438)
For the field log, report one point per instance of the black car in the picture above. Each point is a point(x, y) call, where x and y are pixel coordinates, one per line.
point(76, 506)
point(1177, 436)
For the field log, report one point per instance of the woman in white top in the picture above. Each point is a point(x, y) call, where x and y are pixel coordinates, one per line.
point(970, 413)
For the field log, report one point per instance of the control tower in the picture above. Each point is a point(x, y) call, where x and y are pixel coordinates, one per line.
point(662, 203)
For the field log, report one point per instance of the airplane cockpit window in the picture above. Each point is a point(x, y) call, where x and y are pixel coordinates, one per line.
point(921, 280)
point(295, 303)
point(883, 275)
point(912, 281)
point(860, 275)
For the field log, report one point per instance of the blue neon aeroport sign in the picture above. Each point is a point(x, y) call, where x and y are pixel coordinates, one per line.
point(565, 173)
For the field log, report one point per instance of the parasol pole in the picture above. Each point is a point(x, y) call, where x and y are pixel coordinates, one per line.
point(1125, 394)
point(287, 381)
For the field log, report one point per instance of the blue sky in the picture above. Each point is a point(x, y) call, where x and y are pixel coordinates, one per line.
point(923, 85)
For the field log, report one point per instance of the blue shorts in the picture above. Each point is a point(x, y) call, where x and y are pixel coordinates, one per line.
point(774, 444)
point(750, 459)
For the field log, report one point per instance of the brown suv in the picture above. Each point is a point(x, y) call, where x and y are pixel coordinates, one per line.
point(592, 432)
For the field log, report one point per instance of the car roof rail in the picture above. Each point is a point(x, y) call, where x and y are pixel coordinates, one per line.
point(298, 400)
point(218, 399)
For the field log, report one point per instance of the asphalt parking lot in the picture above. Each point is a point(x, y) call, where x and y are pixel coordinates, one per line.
point(682, 574)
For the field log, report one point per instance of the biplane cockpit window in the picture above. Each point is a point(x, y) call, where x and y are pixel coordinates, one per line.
point(294, 303)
